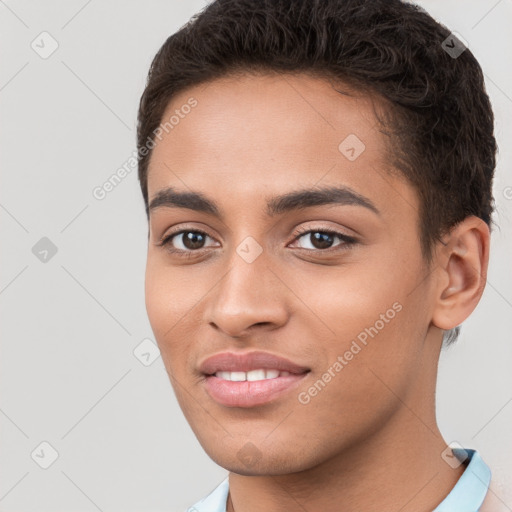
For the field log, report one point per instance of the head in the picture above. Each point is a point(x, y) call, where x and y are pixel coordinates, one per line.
point(265, 124)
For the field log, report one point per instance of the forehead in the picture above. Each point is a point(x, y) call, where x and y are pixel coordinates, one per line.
point(270, 132)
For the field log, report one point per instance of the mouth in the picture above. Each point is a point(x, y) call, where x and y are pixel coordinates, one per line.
point(250, 379)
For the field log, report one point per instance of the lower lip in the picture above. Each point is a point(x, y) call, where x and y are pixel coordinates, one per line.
point(250, 393)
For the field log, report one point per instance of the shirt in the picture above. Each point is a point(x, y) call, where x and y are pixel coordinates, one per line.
point(467, 495)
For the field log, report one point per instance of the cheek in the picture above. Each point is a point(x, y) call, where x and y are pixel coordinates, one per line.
point(169, 305)
point(157, 299)
point(348, 301)
point(356, 390)
point(374, 324)
point(170, 294)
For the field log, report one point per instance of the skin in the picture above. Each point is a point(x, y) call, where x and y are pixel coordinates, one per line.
point(369, 439)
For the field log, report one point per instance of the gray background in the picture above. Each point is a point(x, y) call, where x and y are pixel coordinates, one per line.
point(71, 323)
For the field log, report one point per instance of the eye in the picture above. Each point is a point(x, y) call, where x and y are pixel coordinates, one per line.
point(187, 241)
point(184, 241)
point(321, 239)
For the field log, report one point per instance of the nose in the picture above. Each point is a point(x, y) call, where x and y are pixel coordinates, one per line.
point(249, 296)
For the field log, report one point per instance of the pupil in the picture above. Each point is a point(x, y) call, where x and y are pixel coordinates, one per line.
point(321, 238)
point(191, 240)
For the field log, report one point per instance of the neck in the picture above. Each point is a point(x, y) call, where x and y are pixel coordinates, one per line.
point(382, 473)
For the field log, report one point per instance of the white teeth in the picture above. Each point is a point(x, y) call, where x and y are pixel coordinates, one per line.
point(256, 375)
point(271, 374)
point(259, 374)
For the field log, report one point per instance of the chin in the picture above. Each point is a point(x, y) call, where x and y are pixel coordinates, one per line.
point(248, 460)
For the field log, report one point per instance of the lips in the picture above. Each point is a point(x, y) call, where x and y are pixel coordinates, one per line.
point(250, 379)
point(232, 362)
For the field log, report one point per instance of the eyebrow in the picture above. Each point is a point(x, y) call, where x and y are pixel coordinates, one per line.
point(277, 205)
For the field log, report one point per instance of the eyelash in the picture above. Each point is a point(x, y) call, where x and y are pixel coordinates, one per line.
point(348, 241)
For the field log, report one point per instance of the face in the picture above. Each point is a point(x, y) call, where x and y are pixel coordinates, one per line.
point(336, 286)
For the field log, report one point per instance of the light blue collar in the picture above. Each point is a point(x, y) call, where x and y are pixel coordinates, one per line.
point(215, 501)
point(471, 488)
point(467, 495)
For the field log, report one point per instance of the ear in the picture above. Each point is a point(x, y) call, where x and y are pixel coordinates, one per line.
point(462, 260)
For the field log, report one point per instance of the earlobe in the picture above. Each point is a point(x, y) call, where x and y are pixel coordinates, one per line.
point(462, 272)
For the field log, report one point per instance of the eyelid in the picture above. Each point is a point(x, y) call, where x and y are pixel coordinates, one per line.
point(299, 232)
point(179, 230)
point(323, 229)
point(348, 241)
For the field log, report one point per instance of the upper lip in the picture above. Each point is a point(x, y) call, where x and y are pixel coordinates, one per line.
point(245, 362)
